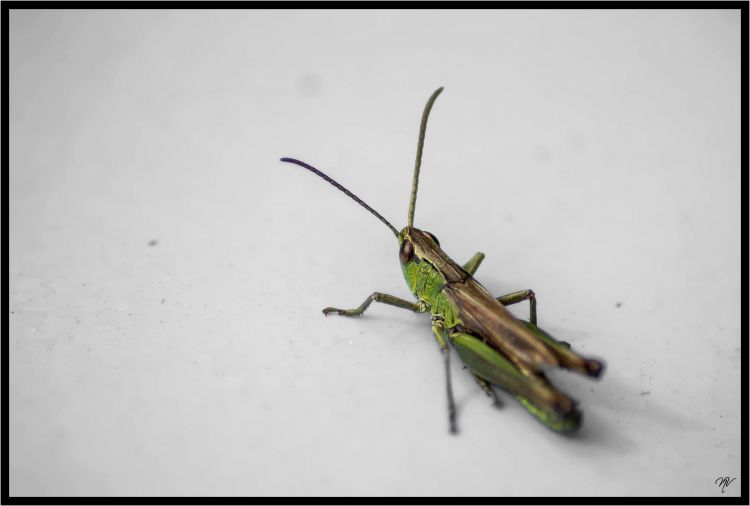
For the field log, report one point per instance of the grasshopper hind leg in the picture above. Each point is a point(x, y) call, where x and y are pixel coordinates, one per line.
point(550, 406)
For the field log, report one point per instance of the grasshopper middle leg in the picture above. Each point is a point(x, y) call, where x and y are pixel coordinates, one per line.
point(561, 349)
point(520, 296)
point(377, 297)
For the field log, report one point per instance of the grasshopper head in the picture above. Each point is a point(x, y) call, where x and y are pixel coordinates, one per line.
point(415, 244)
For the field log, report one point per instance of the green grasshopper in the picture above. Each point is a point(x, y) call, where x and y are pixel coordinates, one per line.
point(498, 348)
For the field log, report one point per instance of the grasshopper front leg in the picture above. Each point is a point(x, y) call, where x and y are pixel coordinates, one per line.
point(377, 297)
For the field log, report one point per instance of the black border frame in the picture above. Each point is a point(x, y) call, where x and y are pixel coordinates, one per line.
point(5, 498)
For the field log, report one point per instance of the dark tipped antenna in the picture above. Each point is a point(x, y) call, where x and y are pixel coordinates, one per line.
point(337, 185)
point(418, 163)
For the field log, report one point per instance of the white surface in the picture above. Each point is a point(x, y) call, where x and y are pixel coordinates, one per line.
point(594, 156)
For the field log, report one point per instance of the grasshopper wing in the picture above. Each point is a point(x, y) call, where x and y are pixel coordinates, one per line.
point(482, 315)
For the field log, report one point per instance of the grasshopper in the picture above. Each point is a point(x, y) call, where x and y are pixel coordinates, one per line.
point(498, 348)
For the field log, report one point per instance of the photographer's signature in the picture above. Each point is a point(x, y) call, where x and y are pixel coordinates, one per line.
point(724, 482)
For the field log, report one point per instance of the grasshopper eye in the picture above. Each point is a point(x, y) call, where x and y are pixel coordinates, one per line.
point(406, 252)
point(432, 237)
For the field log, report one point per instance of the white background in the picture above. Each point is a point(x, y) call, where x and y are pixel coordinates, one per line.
point(594, 156)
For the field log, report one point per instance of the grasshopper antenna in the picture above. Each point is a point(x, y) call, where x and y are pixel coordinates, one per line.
point(418, 163)
point(338, 186)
